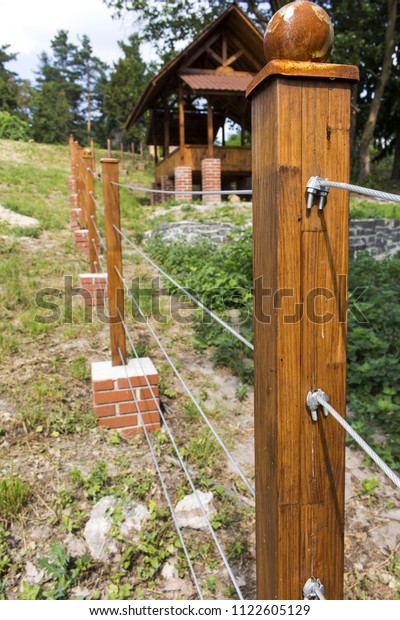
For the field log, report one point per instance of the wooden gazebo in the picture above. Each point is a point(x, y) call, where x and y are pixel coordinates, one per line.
point(191, 99)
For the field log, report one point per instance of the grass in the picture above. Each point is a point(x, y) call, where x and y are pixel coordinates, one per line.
point(13, 495)
point(361, 210)
point(28, 183)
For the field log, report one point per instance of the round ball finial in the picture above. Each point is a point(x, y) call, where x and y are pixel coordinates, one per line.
point(300, 30)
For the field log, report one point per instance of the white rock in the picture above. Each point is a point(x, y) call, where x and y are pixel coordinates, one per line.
point(97, 528)
point(189, 513)
point(75, 546)
point(135, 515)
point(169, 571)
point(96, 533)
point(32, 574)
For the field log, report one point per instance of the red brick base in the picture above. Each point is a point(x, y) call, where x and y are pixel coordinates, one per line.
point(114, 404)
point(82, 241)
point(183, 183)
point(93, 288)
point(211, 179)
point(74, 220)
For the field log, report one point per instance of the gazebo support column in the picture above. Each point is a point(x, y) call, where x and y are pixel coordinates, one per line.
point(211, 179)
point(183, 183)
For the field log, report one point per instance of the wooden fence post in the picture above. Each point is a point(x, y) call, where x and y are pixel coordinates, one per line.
point(300, 128)
point(93, 154)
point(90, 210)
point(114, 259)
point(80, 151)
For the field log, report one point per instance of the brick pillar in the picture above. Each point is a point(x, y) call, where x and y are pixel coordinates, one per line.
point(155, 198)
point(82, 241)
point(211, 179)
point(74, 220)
point(93, 288)
point(183, 183)
point(167, 185)
point(71, 184)
point(114, 405)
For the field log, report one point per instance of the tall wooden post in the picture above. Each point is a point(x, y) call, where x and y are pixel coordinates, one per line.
point(300, 128)
point(90, 210)
point(80, 185)
point(181, 122)
point(93, 154)
point(112, 221)
point(210, 130)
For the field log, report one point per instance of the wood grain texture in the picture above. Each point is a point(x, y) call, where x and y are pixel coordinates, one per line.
point(114, 259)
point(301, 128)
point(88, 164)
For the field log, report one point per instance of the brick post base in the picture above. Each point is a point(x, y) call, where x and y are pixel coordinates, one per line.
point(71, 184)
point(155, 198)
point(167, 185)
point(93, 288)
point(211, 179)
point(183, 183)
point(82, 241)
point(73, 199)
point(74, 219)
point(114, 405)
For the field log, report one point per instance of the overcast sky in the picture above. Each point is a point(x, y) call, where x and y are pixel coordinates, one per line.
point(29, 25)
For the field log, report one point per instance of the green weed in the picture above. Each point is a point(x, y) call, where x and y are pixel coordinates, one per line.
point(13, 495)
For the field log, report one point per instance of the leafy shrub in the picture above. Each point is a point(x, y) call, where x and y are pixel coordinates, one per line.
point(13, 128)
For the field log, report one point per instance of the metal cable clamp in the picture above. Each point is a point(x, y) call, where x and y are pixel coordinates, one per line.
point(313, 590)
point(313, 404)
point(316, 187)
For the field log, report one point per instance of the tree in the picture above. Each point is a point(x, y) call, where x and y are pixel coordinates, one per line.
point(8, 82)
point(12, 127)
point(68, 95)
point(128, 78)
point(381, 82)
point(166, 23)
point(92, 78)
point(52, 118)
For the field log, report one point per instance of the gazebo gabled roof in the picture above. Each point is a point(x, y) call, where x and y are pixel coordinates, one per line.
point(198, 65)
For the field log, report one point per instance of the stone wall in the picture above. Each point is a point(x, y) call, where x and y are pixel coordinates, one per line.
point(380, 237)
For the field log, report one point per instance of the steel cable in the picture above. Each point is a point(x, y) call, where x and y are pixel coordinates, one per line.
point(385, 468)
point(181, 288)
point(183, 465)
point(357, 189)
point(225, 192)
point(165, 490)
point(187, 389)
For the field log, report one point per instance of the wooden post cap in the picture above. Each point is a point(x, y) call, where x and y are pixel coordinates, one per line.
point(300, 31)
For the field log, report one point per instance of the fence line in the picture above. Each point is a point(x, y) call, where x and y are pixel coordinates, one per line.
point(224, 192)
point(188, 390)
point(185, 469)
point(321, 397)
point(320, 186)
point(164, 487)
point(316, 185)
point(186, 292)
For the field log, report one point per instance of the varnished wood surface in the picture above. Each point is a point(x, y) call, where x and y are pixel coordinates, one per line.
point(327, 71)
point(300, 129)
point(114, 258)
point(88, 163)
